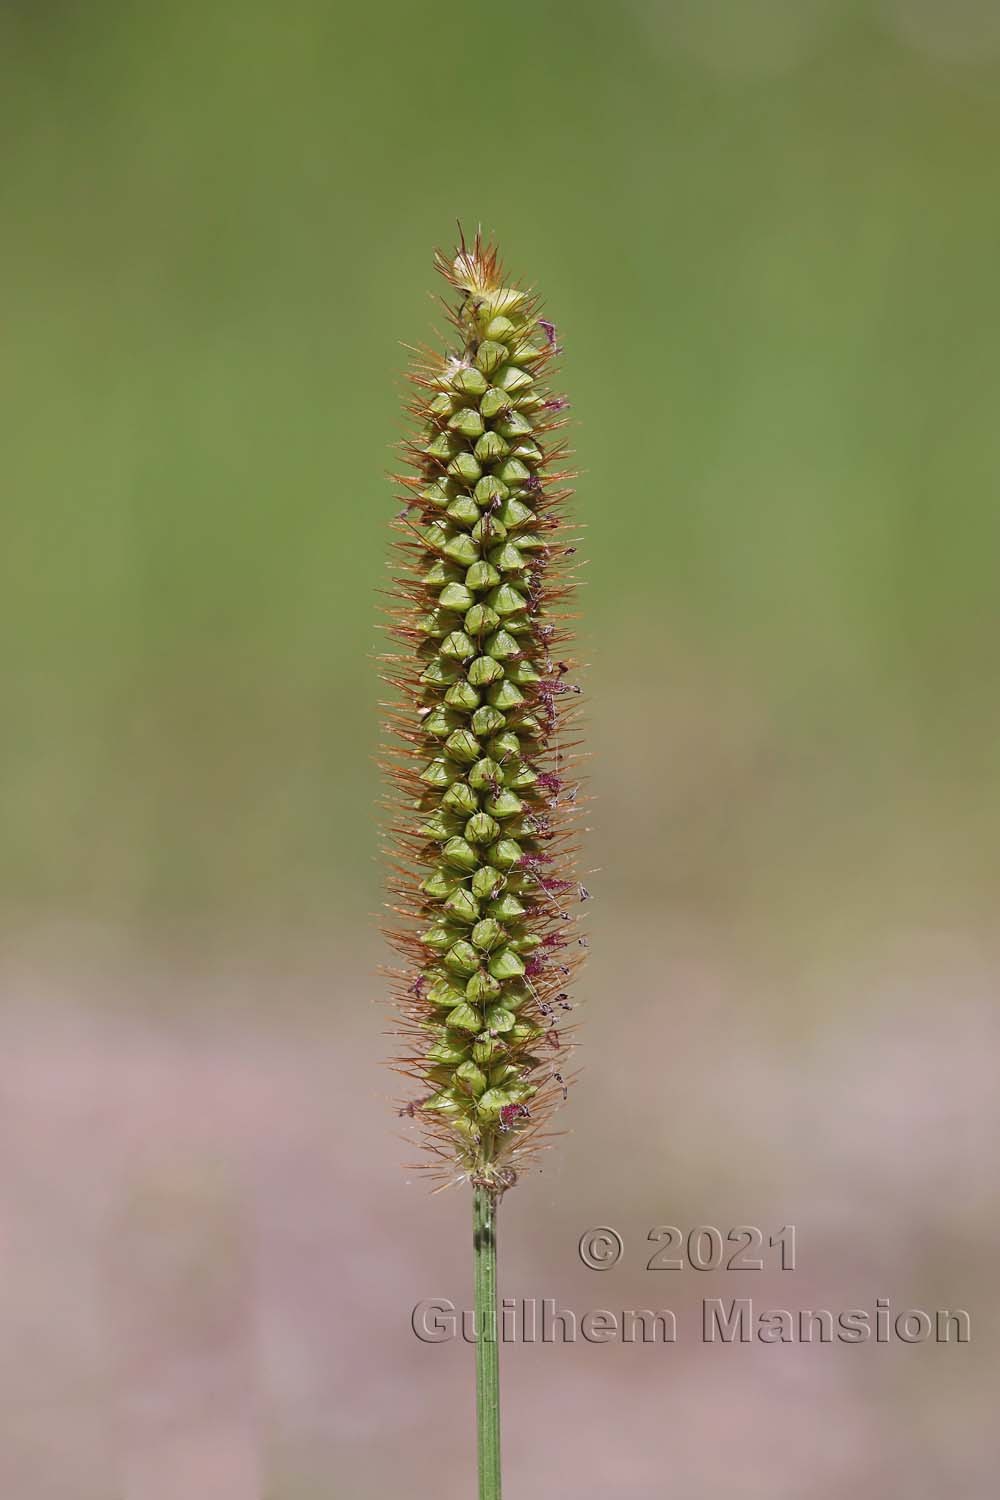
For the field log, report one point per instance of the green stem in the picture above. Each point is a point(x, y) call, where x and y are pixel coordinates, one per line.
point(484, 1248)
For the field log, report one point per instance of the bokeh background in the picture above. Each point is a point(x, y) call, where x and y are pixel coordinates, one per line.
point(768, 233)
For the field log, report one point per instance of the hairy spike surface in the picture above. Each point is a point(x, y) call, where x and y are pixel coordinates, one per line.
point(482, 756)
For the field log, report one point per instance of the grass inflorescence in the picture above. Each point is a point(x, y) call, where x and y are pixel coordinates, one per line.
point(483, 754)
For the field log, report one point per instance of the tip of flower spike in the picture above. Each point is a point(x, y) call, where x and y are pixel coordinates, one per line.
point(473, 268)
point(476, 268)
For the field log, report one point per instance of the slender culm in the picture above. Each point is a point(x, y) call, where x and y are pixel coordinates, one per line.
point(483, 758)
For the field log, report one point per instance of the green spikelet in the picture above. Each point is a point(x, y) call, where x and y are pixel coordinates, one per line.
point(483, 758)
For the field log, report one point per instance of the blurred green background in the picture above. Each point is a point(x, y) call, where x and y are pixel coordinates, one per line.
point(767, 231)
point(768, 234)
